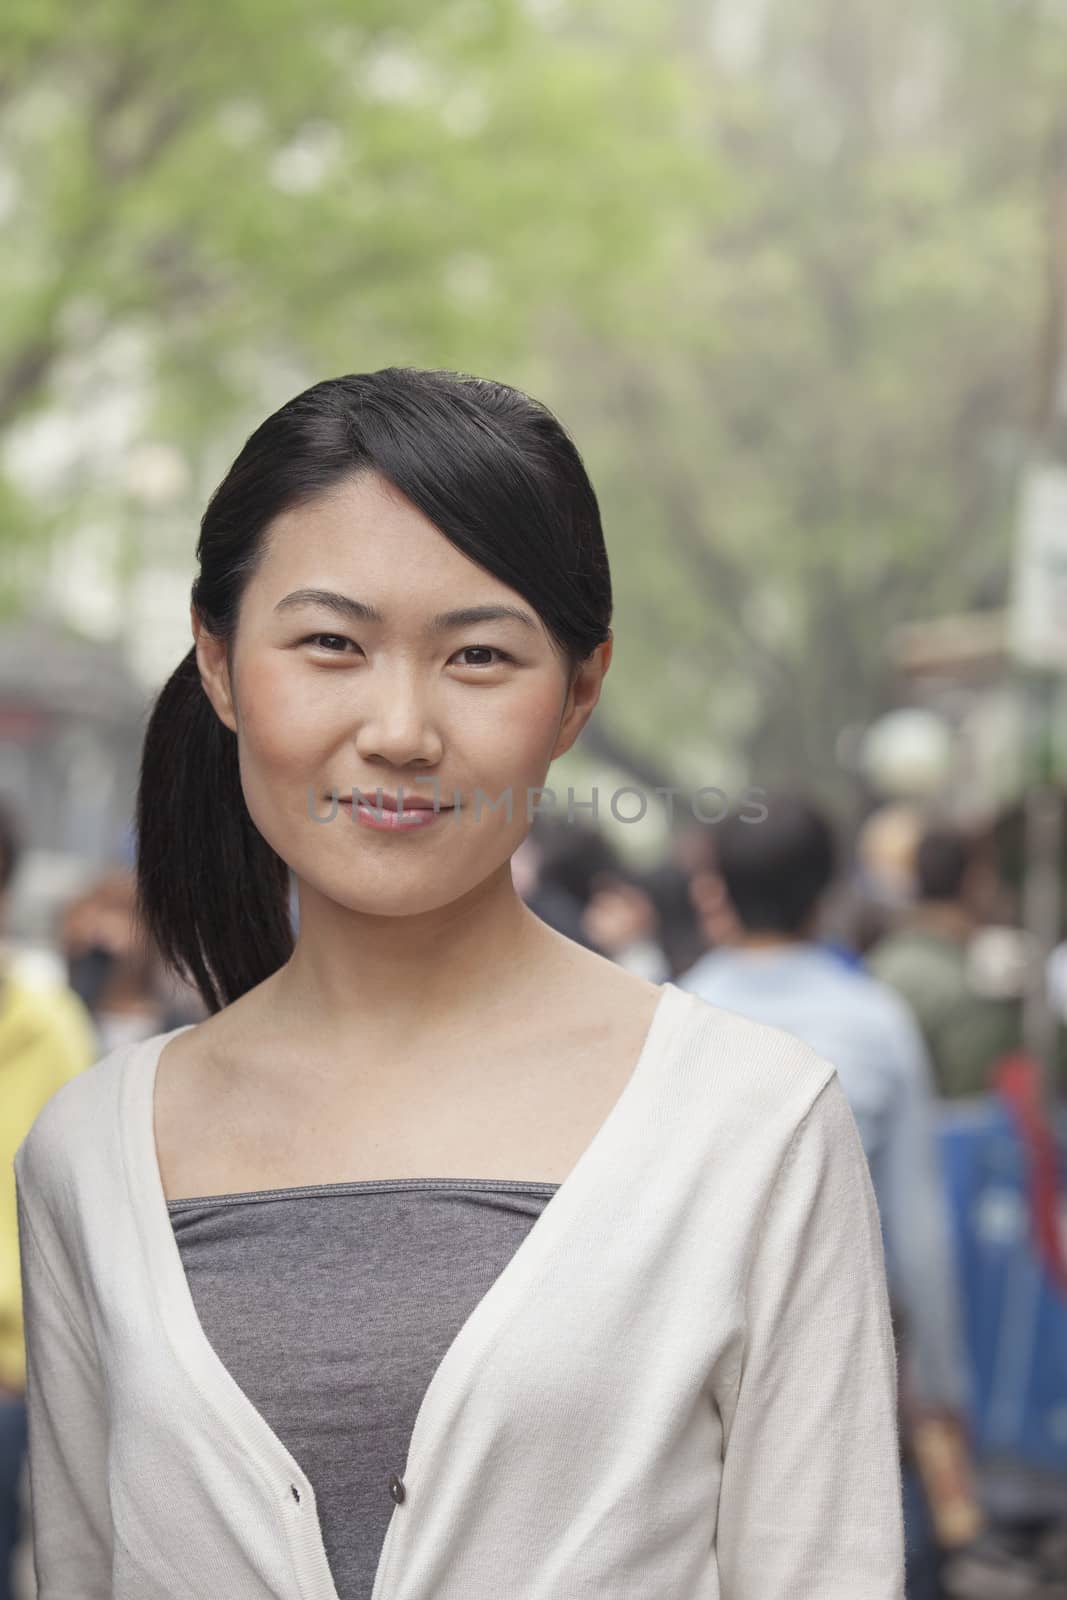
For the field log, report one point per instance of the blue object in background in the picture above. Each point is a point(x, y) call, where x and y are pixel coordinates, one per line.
point(844, 953)
point(1015, 1317)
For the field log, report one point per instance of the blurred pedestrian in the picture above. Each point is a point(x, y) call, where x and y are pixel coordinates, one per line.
point(622, 922)
point(925, 958)
point(542, 891)
point(680, 933)
point(116, 969)
point(46, 1037)
point(718, 920)
point(775, 873)
point(585, 890)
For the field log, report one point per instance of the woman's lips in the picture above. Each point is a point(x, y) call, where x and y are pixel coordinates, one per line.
point(369, 815)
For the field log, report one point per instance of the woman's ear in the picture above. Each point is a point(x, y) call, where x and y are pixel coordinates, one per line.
point(212, 658)
point(582, 696)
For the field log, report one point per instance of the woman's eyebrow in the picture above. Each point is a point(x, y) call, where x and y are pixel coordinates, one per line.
point(358, 611)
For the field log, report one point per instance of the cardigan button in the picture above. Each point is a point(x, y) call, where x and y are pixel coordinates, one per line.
point(396, 1487)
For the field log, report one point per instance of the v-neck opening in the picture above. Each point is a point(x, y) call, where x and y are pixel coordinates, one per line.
point(214, 1381)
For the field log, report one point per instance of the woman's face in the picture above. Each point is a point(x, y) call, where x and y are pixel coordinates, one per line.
point(324, 700)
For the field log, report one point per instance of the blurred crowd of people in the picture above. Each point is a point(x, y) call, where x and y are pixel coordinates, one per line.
point(116, 991)
point(896, 958)
point(883, 958)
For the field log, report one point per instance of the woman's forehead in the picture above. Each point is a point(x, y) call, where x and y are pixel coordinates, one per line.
point(398, 568)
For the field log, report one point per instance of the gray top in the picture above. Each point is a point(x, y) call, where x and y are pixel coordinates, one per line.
point(337, 1359)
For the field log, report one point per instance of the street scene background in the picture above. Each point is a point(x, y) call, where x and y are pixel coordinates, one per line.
point(794, 277)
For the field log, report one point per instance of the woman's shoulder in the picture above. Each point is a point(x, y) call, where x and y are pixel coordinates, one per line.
point(77, 1116)
point(746, 1070)
point(779, 1118)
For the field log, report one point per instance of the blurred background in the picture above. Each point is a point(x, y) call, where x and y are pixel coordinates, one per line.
point(794, 275)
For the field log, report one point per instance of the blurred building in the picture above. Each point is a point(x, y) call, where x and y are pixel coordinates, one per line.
point(71, 726)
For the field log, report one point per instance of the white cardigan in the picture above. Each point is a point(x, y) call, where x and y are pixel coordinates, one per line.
point(682, 1384)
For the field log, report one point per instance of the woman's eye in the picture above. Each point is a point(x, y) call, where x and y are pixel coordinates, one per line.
point(337, 638)
point(483, 649)
point(335, 644)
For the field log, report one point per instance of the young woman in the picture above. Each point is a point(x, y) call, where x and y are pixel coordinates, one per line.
point(445, 1258)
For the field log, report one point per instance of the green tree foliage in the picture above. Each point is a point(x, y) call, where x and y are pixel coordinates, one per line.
point(778, 266)
point(319, 183)
point(836, 444)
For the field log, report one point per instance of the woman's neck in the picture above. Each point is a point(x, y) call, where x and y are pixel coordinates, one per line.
point(350, 976)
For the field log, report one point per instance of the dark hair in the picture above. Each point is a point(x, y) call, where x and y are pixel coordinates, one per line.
point(575, 856)
point(776, 870)
point(680, 934)
point(10, 845)
point(494, 471)
point(941, 861)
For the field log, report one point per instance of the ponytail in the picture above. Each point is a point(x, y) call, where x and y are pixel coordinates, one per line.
point(210, 890)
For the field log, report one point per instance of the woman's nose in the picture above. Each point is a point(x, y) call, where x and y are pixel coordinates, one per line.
point(397, 723)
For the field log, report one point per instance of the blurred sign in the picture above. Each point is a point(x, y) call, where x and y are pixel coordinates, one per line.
point(1038, 616)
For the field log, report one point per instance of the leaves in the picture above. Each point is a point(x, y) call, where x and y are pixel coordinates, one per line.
point(784, 290)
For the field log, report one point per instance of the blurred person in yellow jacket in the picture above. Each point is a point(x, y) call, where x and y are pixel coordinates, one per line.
point(46, 1037)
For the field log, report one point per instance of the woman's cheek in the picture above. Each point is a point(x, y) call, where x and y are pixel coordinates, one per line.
point(286, 726)
point(522, 737)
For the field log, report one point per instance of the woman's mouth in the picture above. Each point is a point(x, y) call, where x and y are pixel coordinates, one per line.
point(369, 814)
